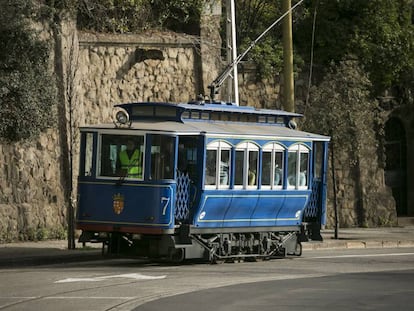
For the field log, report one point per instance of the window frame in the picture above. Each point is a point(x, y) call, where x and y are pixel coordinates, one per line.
point(273, 148)
point(298, 149)
point(218, 146)
point(123, 137)
point(248, 147)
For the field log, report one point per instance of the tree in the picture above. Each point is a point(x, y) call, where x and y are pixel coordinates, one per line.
point(342, 107)
point(27, 89)
point(252, 18)
point(378, 32)
point(122, 16)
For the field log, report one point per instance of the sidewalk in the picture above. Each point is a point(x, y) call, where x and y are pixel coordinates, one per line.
point(364, 238)
point(44, 252)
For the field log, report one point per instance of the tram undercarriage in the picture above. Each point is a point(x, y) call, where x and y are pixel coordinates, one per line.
point(249, 246)
point(212, 247)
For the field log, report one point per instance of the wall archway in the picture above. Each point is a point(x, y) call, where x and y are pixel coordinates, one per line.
point(396, 163)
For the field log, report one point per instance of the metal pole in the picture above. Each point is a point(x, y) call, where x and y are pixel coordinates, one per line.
point(234, 52)
point(233, 85)
point(289, 95)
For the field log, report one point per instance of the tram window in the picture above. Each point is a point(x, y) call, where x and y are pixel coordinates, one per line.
point(224, 168)
point(292, 170)
point(247, 155)
point(318, 156)
point(211, 160)
point(142, 111)
point(266, 168)
point(88, 154)
point(218, 165)
point(165, 111)
point(185, 115)
point(303, 169)
point(278, 169)
point(238, 173)
point(272, 168)
point(244, 118)
point(162, 157)
point(195, 115)
point(215, 116)
point(253, 162)
point(271, 119)
point(121, 156)
point(187, 156)
point(298, 164)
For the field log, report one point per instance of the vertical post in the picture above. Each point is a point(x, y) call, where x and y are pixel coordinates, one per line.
point(233, 85)
point(289, 96)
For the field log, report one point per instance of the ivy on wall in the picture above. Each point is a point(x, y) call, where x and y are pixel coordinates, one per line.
point(124, 16)
point(27, 88)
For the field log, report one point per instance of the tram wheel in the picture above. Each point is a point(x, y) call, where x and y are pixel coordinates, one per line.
point(298, 249)
point(176, 255)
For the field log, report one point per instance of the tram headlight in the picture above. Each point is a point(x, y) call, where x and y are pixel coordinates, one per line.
point(292, 124)
point(122, 117)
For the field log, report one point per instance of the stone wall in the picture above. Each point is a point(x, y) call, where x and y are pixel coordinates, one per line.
point(122, 68)
point(363, 199)
point(32, 202)
point(258, 93)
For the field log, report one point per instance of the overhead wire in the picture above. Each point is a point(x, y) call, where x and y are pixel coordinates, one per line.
point(315, 12)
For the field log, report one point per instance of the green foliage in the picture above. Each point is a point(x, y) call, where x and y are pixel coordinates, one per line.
point(378, 32)
point(114, 15)
point(341, 107)
point(42, 233)
point(252, 18)
point(123, 16)
point(27, 90)
point(178, 15)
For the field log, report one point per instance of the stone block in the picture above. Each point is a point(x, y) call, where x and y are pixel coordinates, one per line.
point(355, 244)
point(389, 244)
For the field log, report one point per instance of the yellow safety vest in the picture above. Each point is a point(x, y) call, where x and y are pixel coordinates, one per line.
point(131, 166)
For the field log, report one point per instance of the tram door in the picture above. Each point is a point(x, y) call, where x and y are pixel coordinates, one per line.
point(187, 176)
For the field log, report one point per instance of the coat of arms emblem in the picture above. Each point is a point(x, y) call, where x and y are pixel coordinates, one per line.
point(118, 203)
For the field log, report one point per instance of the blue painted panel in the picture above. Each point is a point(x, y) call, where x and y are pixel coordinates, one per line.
point(243, 208)
point(267, 209)
point(148, 205)
point(291, 213)
point(214, 206)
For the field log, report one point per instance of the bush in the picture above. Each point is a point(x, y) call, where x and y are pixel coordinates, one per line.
point(27, 89)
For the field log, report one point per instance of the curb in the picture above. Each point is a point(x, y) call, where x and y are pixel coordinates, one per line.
point(46, 259)
point(356, 244)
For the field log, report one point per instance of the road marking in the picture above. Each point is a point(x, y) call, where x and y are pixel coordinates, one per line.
point(134, 276)
point(362, 255)
point(95, 297)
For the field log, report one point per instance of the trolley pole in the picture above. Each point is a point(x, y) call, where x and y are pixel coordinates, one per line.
point(289, 92)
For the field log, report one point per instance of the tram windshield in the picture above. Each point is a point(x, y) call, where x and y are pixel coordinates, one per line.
point(121, 156)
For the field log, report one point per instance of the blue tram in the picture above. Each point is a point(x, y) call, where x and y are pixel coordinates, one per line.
point(200, 180)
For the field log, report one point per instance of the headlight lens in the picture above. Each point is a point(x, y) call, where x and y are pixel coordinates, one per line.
point(122, 117)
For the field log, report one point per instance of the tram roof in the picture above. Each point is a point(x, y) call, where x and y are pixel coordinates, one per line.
point(178, 111)
point(213, 129)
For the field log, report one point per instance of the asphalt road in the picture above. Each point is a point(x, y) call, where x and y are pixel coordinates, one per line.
point(390, 290)
point(366, 279)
